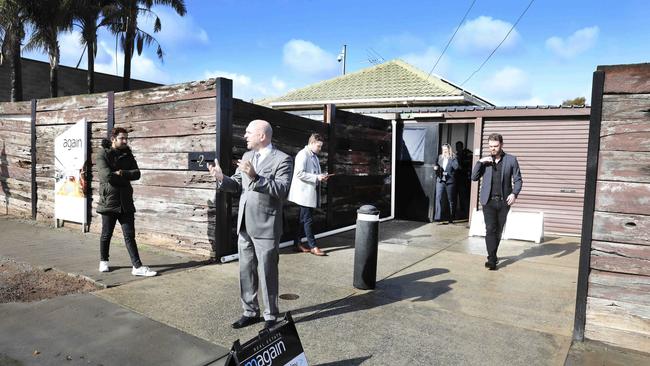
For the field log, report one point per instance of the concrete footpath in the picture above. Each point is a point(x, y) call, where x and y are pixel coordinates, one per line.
point(435, 303)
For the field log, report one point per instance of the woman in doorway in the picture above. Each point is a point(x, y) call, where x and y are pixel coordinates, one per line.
point(446, 183)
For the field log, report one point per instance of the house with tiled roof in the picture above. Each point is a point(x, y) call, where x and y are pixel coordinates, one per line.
point(395, 85)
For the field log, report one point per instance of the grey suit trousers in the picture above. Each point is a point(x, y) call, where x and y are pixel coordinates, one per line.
point(258, 260)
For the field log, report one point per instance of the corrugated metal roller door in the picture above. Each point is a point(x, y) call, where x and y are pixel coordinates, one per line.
point(552, 156)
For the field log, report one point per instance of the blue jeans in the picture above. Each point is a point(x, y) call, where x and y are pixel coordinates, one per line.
point(306, 220)
point(128, 229)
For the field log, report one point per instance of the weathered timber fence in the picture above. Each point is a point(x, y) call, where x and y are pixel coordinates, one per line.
point(177, 206)
point(15, 159)
point(613, 301)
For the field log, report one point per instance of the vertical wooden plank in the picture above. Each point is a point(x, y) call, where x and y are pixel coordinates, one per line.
point(223, 243)
point(330, 119)
point(110, 118)
point(32, 152)
point(478, 140)
point(589, 204)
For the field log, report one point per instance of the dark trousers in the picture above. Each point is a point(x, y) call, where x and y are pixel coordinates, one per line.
point(306, 220)
point(464, 186)
point(127, 221)
point(450, 191)
point(495, 214)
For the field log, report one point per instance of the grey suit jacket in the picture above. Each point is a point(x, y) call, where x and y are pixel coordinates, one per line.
point(511, 181)
point(261, 202)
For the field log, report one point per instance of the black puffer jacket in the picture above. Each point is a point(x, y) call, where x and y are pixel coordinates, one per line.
point(115, 191)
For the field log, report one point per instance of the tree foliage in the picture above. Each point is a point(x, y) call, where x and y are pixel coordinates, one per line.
point(579, 101)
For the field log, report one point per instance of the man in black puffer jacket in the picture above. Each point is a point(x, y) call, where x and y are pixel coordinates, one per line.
point(117, 168)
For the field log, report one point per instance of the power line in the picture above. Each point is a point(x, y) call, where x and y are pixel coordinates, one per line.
point(451, 38)
point(500, 43)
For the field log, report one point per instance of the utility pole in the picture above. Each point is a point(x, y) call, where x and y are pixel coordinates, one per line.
point(343, 56)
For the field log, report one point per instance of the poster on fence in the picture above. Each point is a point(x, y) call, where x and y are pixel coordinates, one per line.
point(70, 155)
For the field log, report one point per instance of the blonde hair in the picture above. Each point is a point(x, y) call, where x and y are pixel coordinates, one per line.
point(452, 154)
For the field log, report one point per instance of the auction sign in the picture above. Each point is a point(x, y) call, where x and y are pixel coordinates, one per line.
point(70, 156)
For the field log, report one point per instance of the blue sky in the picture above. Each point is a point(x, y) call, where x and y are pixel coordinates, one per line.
point(269, 47)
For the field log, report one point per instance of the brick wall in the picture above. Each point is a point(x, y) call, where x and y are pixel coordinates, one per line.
point(36, 81)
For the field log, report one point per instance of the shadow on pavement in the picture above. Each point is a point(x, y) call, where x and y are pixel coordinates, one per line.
point(557, 250)
point(394, 289)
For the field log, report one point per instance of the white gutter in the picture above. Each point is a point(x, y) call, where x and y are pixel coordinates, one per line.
point(373, 101)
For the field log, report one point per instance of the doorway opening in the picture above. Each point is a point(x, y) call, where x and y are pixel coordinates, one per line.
point(417, 157)
point(460, 136)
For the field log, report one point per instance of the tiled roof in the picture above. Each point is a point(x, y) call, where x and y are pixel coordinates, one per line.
point(390, 80)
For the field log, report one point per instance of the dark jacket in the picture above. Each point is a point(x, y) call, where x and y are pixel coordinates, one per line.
point(115, 191)
point(447, 175)
point(510, 176)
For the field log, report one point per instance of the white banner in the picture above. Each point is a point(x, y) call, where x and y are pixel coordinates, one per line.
point(70, 155)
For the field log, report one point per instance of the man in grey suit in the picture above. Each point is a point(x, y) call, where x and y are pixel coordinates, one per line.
point(501, 185)
point(263, 177)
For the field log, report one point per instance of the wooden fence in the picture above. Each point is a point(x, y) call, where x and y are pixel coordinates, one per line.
point(612, 302)
point(15, 159)
point(177, 206)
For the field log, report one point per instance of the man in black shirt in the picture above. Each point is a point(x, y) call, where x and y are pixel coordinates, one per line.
point(501, 185)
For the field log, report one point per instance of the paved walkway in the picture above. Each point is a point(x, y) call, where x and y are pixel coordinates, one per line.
point(434, 303)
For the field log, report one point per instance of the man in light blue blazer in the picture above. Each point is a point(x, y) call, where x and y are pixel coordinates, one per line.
point(263, 177)
point(305, 191)
point(499, 190)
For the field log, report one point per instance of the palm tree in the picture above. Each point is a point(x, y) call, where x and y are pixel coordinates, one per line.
point(49, 17)
point(86, 14)
point(12, 33)
point(123, 19)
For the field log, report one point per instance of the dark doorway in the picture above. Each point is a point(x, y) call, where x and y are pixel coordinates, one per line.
point(415, 180)
point(461, 138)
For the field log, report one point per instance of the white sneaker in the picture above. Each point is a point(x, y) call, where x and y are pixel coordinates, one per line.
point(103, 266)
point(143, 271)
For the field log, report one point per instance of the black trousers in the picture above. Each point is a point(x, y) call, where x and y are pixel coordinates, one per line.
point(495, 214)
point(450, 191)
point(127, 221)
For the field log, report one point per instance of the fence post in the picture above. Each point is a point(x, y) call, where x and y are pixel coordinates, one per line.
point(32, 152)
point(593, 149)
point(110, 118)
point(330, 119)
point(222, 244)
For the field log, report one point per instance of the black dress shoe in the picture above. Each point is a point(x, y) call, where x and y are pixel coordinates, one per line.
point(491, 265)
point(269, 323)
point(245, 321)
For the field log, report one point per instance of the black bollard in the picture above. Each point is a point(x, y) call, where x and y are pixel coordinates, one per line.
point(365, 247)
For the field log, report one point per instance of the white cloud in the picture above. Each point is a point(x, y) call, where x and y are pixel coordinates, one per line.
point(278, 84)
point(307, 58)
point(245, 88)
point(142, 67)
point(509, 86)
point(175, 30)
point(485, 33)
point(70, 49)
point(575, 44)
point(425, 61)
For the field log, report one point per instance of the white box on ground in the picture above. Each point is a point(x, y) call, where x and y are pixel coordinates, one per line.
point(520, 225)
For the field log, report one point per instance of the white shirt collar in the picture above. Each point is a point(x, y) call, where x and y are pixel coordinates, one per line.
point(264, 152)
